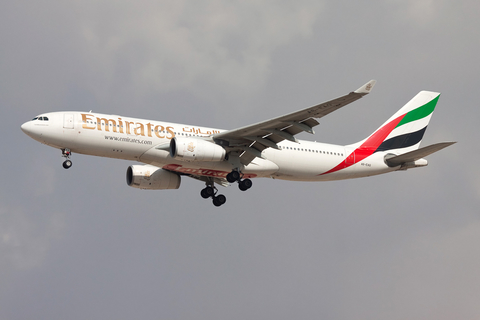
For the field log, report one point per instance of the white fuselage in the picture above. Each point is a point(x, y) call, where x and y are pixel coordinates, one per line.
point(137, 139)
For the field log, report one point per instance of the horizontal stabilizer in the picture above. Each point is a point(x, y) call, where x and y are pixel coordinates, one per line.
point(416, 154)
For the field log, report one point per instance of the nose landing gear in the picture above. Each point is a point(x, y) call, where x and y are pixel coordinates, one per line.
point(66, 153)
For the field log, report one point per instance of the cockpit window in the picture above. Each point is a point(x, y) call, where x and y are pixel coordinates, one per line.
point(40, 118)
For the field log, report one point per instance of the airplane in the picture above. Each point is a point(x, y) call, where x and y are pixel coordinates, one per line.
point(267, 149)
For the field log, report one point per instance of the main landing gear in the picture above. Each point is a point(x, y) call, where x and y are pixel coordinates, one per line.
point(66, 153)
point(244, 184)
point(211, 192)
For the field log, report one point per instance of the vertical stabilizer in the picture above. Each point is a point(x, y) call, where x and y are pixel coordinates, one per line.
point(404, 131)
point(400, 134)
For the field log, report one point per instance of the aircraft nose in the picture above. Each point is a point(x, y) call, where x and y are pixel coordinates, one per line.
point(24, 127)
point(27, 128)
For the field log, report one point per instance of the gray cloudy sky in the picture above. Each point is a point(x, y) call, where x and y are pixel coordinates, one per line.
point(81, 244)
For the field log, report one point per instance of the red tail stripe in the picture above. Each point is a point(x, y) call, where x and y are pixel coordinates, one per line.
point(370, 145)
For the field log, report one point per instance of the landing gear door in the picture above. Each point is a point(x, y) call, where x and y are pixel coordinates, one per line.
point(68, 120)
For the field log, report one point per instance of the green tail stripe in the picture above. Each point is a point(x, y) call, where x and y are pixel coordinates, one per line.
point(420, 112)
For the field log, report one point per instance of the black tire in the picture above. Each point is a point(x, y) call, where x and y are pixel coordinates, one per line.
point(210, 191)
point(233, 176)
point(207, 192)
point(67, 164)
point(219, 200)
point(244, 185)
point(204, 194)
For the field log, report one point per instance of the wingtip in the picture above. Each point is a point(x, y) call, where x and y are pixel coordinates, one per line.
point(366, 88)
point(449, 143)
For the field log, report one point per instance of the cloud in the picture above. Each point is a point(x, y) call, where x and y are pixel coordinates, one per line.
point(48, 177)
point(174, 44)
point(422, 11)
point(24, 242)
point(436, 267)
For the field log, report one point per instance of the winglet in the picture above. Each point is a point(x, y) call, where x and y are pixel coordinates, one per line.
point(366, 88)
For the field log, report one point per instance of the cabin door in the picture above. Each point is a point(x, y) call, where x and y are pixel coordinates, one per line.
point(68, 120)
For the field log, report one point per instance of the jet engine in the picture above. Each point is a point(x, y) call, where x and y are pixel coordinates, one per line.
point(192, 149)
point(152, 178)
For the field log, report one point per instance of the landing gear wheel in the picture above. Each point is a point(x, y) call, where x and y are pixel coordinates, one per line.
point(244, 185)
point(66, 153)
point(219, 200)
point(211, 192)
point(67, 163)
point(233, 176)
point(207, 192)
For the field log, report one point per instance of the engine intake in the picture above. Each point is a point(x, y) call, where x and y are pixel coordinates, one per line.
point(152, 178)
point(192, 149)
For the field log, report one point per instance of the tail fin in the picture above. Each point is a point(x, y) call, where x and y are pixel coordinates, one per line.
point(404, 131)
point(400, 135)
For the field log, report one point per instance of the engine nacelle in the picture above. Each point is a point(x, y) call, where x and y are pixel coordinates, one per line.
point(192, 149)
point(152, 178)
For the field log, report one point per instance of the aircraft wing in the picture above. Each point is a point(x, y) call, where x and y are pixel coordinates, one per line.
point(251, 140)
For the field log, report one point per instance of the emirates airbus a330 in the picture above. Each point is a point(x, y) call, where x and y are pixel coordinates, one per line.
point(266, 149)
